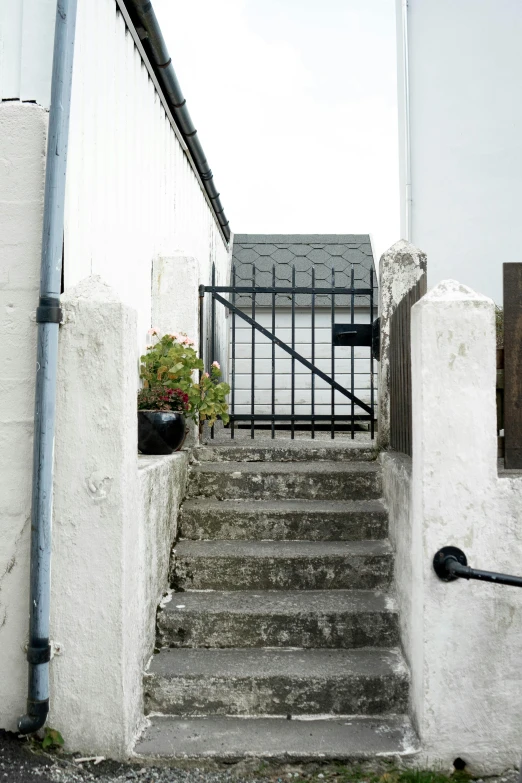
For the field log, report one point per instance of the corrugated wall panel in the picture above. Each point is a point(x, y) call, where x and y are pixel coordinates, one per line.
point(132, 194)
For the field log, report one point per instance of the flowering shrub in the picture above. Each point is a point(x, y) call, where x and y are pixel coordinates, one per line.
point(171, 362)
point(162, 398)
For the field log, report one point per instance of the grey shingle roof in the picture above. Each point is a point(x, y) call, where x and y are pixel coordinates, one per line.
point(323, 252)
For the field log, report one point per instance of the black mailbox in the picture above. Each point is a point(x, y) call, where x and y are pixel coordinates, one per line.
point(358, 335)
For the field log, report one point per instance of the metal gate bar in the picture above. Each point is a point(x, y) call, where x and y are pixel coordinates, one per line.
point(333, 418)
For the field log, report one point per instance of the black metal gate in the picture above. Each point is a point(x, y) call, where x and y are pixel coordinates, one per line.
point(351, 334)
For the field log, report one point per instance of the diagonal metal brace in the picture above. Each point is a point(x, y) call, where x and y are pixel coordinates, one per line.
point(294, 354)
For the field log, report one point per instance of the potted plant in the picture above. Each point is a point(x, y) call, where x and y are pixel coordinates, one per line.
point(171, 363)
point(161, 420)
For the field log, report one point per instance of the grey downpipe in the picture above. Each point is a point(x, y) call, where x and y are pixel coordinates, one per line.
point(48, 316)
point(144, 19)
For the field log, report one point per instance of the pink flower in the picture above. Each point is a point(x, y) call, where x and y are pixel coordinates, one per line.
point(152, 332)
point(216, 365)
point(187, 341)
point(205, 375)
point(174, 336)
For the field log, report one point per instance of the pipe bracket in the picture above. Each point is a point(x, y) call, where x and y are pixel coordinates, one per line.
point(49, 311)
point(36, 655)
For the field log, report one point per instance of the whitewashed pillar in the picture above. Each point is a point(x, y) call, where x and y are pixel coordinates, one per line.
point(399, 270)
point(97, 566)
point(23, 137)
point(458, 649)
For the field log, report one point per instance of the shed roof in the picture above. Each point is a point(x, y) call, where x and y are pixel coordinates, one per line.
point(323, 252)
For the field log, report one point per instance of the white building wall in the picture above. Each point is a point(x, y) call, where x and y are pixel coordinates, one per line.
point(302, 376)
point(132, 193)
point(465, 125)
point(132, 196)
point(26, 50)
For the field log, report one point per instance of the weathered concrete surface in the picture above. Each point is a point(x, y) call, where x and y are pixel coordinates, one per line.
point(23, 134)
point(353, 739)
point(400, 268)
point(281, 609)
point(281, 565)
point(307, 520)
point(281, 480)
point(277, 682)
point(300, 618)
point(97, 537)
point(288, 451)
point(162, 483)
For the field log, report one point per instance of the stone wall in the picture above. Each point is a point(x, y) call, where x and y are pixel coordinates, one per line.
point(462, 639)
point(23, 132)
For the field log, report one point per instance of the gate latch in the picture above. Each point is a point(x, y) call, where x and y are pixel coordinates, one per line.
point(358, 335)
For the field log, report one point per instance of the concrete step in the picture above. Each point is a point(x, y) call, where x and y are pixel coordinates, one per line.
point(277, 739)
point(300, 618)
point(283, 480)
point(283, 682)
point(288, 451)
point(281, 565)
point(280, 520)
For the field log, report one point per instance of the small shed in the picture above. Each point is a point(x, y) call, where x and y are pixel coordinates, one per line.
point(260, 258)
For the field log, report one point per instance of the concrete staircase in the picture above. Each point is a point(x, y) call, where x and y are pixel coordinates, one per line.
point(283, 640)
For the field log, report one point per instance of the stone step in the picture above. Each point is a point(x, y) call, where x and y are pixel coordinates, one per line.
point(280, 520)
point(283, 480)
point(283, 682)
point(281, 565)
point(288, 451)
point(300, 618)
point(277, 739)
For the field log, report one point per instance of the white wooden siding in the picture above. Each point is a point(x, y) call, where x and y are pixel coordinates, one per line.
point(303, 376)
point(132, 194)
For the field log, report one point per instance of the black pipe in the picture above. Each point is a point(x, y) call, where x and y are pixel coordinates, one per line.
point(450, 563)
point(149, 31)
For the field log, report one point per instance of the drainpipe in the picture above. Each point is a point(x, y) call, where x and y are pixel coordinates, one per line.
point(48, 317)
point(406, 121)
point(149, 31)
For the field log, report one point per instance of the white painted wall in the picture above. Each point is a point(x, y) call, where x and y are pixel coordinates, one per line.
point(26, 50)
point(462, 639)
point(465, 128)
point(115, 519)
point(132, 193)
point(23, 129)
point(283, 363)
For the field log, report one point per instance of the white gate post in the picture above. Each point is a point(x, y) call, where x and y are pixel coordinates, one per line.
point(399, 270)
point(97, 568)
point(457, 647)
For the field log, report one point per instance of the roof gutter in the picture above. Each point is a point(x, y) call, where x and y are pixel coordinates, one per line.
point(148, 29)
point(48, 317)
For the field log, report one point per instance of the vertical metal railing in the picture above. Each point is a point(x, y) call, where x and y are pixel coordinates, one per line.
point(292, 424)
point(273, 348)
point(253, 358)
point(332, 371)
point(372, 389)
point(353, 409)
point(352, 352)
point(233, 370)
point(213, 331)
point(313, 354)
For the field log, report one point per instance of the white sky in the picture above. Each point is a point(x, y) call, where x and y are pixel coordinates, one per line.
point(295, 105)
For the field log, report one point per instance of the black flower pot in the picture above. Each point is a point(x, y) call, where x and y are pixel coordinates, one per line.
point(160, 432)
